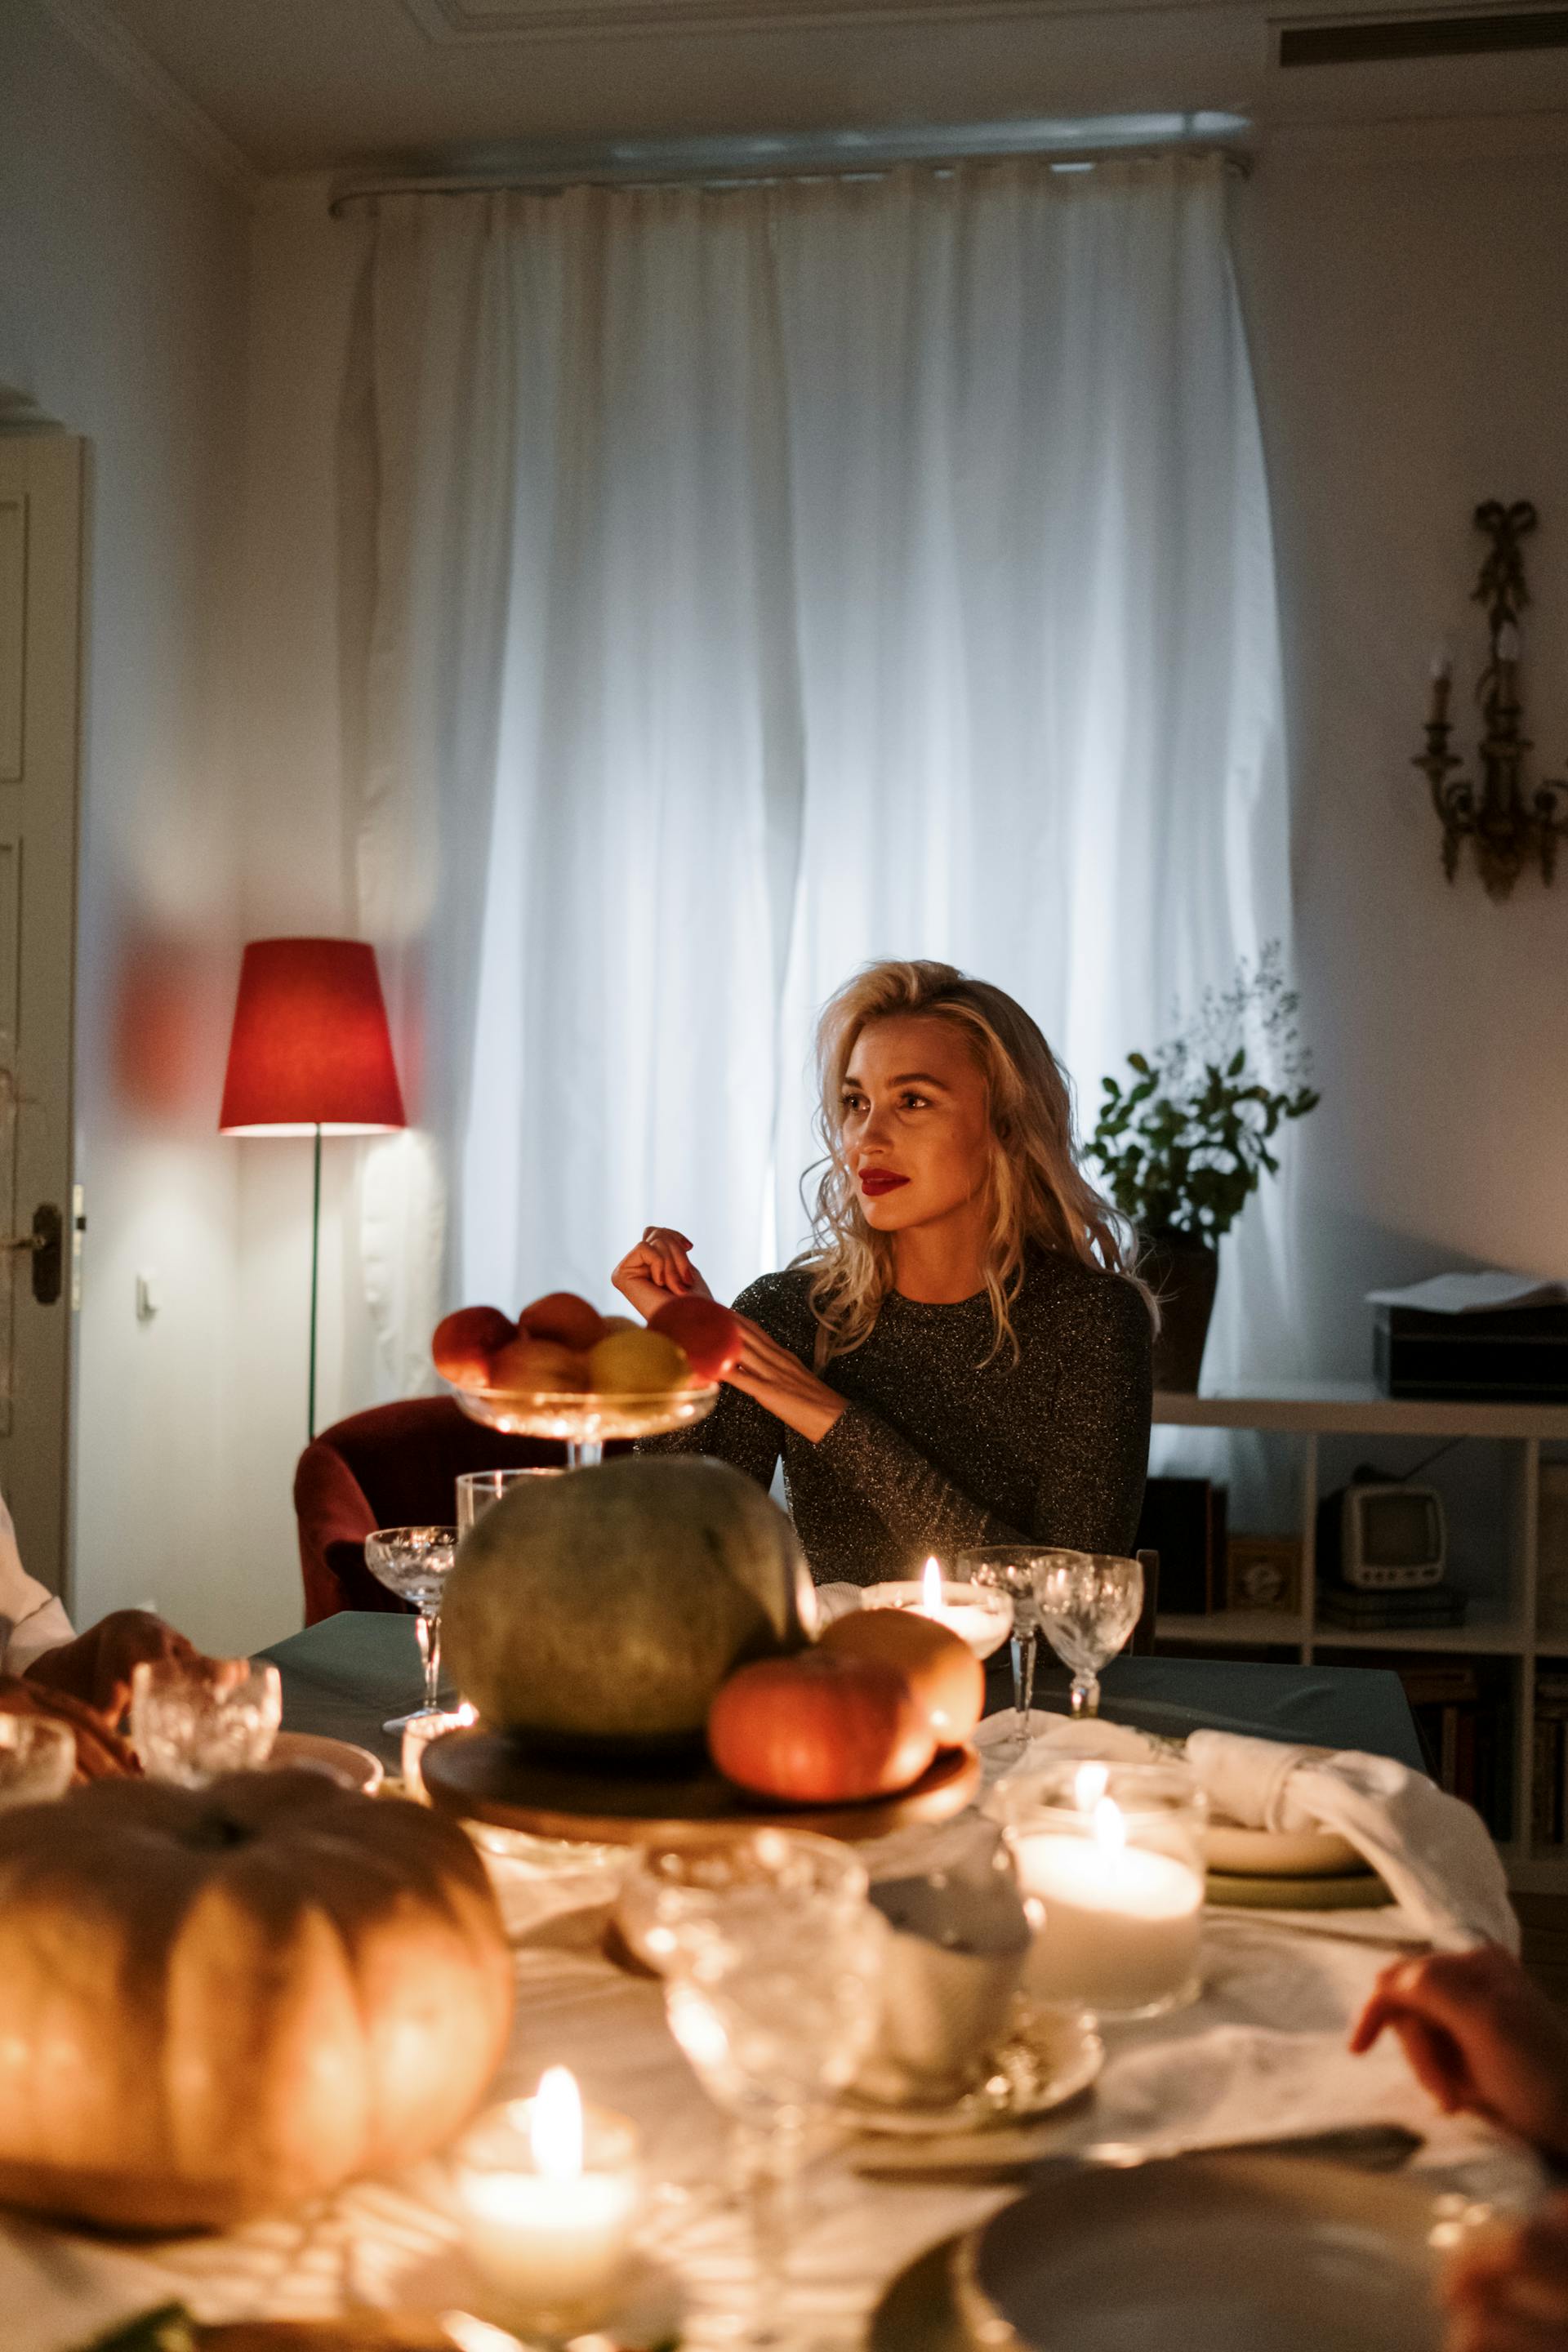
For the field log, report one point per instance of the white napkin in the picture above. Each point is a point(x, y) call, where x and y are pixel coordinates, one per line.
point(59, 2292)
point(1433, 1852)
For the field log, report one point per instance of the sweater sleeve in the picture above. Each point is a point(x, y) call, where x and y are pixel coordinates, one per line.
point(1091, 1484)
point(738, 1429)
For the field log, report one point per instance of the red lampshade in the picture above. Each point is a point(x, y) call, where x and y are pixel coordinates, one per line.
point(310, 1046)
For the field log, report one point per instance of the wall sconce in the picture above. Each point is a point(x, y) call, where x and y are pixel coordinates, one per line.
point(1508, 830)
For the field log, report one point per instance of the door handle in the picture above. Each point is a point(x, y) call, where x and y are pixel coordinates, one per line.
point(43, 1243)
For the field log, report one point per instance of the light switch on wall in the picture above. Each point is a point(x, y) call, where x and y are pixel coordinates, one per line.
point(149, 1296)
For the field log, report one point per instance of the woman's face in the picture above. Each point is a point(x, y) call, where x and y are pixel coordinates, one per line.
point(915, 1125)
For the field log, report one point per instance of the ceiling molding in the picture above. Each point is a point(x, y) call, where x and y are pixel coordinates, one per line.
point(110, 45)
point(466, 23)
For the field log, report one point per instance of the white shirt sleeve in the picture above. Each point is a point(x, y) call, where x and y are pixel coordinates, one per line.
point(32, 1618)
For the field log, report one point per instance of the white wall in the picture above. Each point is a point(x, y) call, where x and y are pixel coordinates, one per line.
point(1409, 320)
point(123, 266)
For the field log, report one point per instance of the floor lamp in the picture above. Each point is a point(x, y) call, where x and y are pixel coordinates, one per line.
point(310, 1054)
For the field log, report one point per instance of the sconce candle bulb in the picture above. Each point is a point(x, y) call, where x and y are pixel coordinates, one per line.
point(1511, 827)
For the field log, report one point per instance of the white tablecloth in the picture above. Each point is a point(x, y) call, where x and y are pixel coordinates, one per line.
point(1262, 2052)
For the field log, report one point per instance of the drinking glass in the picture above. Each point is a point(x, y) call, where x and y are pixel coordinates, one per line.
point(189, 1722)
point(414, 1562)
point(1010, 1569)
point(480, 1491)
point(1089, 1603)
point(771, 1959)
point(37, 1758)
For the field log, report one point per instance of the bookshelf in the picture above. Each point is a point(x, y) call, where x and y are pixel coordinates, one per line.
point(1502, 1632)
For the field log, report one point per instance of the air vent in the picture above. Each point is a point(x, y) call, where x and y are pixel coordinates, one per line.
point(1369, 41)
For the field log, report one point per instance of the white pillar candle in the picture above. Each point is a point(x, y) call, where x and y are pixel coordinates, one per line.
point(549, 2194)
point(978, 1616)
point(1117, 1927)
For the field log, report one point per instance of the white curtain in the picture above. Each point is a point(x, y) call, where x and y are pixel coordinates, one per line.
point(762, 580)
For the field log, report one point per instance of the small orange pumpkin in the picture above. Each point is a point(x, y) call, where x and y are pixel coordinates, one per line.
point(218, 2002)
point(820, 1729)
point(943, 1672)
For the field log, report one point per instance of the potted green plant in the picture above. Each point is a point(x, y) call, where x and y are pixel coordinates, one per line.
point(1183, 1145)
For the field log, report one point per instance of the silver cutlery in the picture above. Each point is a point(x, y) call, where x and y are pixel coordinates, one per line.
point(979, 2163)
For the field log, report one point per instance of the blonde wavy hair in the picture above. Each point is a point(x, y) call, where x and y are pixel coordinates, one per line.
point(1036, 1192)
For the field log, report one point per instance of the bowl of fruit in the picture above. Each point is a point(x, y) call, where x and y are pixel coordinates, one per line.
point(565, 1371)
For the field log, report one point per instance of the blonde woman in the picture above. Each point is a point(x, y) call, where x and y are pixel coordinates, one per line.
point(963, 1356)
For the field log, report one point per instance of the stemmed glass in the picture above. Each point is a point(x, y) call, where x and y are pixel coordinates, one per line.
point(414, 1562)
point(480, 1491)
point(1010, 1569)
point(1089, 1603)
point(771, 1956)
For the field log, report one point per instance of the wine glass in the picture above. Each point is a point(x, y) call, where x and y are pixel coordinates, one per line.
point(1089, 1603)
point(771, 1958)
point(1010, 1569)
point(480, 1491)
point(190, 1721)
point(414, 1562)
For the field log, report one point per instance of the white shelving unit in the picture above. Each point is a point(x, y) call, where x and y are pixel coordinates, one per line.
point(1310, 1413)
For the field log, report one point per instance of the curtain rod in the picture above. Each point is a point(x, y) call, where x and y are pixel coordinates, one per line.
point(721, 163)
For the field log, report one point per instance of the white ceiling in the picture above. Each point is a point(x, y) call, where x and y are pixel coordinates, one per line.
point(305, 84)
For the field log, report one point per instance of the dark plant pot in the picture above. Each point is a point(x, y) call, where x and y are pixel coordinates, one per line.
point(1182, 1272)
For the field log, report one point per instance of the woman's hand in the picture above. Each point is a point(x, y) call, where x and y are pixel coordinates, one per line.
point(96, 1667)
point(1506, 2288)
point(658, 1269)
point(99, 1753)
point(782, 1384)
point(1481, 2037)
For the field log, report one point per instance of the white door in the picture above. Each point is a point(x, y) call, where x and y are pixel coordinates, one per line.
point(40, 602)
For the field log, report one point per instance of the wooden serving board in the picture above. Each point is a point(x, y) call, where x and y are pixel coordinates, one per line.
point(486, 1777)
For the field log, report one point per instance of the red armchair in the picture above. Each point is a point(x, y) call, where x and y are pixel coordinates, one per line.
point(393, 1467)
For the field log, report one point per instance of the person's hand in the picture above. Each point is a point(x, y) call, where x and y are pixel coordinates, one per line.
point(784, 1384)
point(1505, 2287)
point(96, 1667)
point(100, 1752)
point(657, 1270)
point(1481, 2037)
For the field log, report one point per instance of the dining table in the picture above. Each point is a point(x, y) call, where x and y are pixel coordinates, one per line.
point(1262, 2052)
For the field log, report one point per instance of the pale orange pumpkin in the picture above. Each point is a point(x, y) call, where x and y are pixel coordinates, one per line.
point(820, 1729)
point(942, 1671)
point(220, 2001)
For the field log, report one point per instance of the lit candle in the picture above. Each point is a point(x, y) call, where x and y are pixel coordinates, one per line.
point(418, 1733)
point(982, 1618)
point(1117, 1926)
point(1442, 678)
point(549, 2193)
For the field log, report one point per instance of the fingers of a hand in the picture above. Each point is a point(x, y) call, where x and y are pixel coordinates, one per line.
point(1370, 2022)
point(1435, 2060)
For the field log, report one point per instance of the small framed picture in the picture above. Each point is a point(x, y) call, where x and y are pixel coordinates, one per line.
point(1264, 1572)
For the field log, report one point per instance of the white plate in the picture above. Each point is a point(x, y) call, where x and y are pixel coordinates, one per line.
point(1277, 1853)
point(1211, 2255)
point(1048, 2059)
point(356, 1767)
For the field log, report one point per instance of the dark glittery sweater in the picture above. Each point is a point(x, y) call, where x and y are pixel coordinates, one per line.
point(939, 1450)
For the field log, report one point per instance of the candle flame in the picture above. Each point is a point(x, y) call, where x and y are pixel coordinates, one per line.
point(555, 2126)
point(930, 1585)
point(467, 1713)
point(1090, 1784)
point(1110, 1829)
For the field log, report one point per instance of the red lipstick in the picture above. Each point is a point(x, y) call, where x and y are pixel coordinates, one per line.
point(877, 1180)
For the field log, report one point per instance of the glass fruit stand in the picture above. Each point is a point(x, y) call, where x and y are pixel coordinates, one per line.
point(584, 1420)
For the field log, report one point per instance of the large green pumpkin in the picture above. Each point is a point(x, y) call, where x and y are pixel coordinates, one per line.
point(604, 1609)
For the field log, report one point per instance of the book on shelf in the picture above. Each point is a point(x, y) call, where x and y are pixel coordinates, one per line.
point(1463, 1716)
point(1549, 1762)
point(1379, 1610)
point(1184, 1520)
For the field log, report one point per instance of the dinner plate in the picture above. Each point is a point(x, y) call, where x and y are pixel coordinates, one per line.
point(1359, 1890)
point(1277, 1853)
point(1048, 2058)
point(1209, 2254)
point(355, 1767)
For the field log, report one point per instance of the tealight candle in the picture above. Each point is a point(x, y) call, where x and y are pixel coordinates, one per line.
point(549, 2193)
point(978, 1616)
point(417, 1734)
point(1115, 1899)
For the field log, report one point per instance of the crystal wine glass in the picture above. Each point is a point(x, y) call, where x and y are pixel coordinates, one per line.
point(189, 1722)
point(414, 1562)
point(480, 1491)
point(1011, 1570)
point(1089, 1603)
point(771, 1956)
